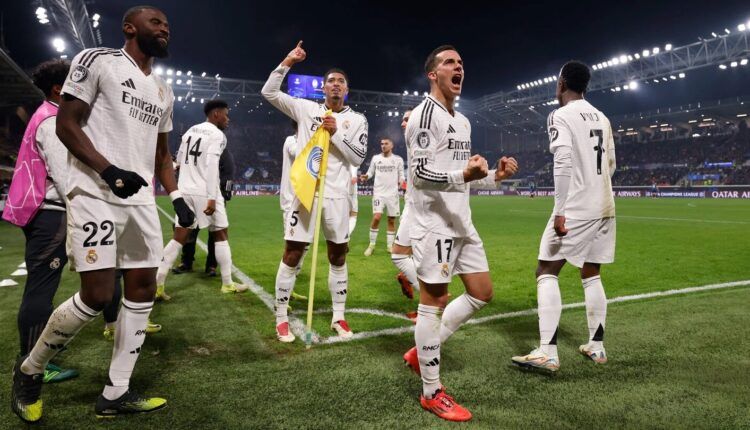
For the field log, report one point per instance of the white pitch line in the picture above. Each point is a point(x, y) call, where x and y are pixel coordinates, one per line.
point(295, 324)
point(529, 312)
point(376, 312)
point(653, 218)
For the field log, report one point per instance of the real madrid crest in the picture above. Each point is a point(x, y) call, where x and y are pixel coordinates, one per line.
point(55, 263)
point(91, 257)
point(444, 270)
point(346, 124)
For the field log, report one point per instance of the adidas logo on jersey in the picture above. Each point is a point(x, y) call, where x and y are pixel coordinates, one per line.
point(451, 129)
point(129, 83)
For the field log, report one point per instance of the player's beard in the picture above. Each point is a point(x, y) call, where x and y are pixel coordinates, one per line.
point(151, 46)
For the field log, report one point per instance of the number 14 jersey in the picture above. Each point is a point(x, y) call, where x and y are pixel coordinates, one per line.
point(587, 132)
point(197, 143)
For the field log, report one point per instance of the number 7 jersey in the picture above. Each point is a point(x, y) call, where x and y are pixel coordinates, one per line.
point(193, 157)
point(587, 132)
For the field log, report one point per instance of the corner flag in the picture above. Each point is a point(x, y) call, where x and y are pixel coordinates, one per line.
point(308, 167)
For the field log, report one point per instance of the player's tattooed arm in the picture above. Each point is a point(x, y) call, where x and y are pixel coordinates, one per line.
point(69, 117)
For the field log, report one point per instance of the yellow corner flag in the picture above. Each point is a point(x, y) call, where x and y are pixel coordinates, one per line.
point(309, 166)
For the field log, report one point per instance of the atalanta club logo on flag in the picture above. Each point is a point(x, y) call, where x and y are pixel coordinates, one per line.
point(79, 74)
point(313, 161)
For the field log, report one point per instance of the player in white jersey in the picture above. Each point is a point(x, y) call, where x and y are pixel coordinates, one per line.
point(388, 170)
point(401, 254)
point(348, 131)
point(444, 239)
point(582, 227)
point(114, 119)
point(198, 158)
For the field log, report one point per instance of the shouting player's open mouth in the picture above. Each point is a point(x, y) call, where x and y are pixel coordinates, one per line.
point(456, 81)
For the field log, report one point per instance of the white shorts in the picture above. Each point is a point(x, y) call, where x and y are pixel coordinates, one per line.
point(438, 257)
point(300, 224)
point(353, 202)
point(404, 223)
point(587, 241)
point(102, 235)
point(388, 203)
point(217, 221)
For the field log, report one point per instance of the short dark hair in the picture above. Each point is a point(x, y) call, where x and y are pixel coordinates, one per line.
point(214, 104)
point(135, 10)
point(431, 62)
point(336, 70)
point(386, 138)
point(49, 74)
point(576, 76)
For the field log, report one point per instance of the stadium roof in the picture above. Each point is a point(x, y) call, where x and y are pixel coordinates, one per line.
point(15, 85)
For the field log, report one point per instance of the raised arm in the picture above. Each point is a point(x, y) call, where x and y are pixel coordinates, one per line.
point(271, 90)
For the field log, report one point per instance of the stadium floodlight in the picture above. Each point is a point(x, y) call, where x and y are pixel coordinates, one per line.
point(672, 77)
point(179, 81)
point(396, 113)
point(609, 63)
point(623, 59)
point(425, 94)
point(668, 47)
point(201, 101)
point(416, 93)
point(192, 99)
point(741, 115)
point(189, 82)
point(179, 98)
point(630, 57)
point(723, 66)
point(741, 27)
point(681, 75)
point(390, 113)
point(406, 93)
point(159, 70)
point(656, 81)
point(646, 53)
point(743, 62)
point(726, 30)
point(626, 87)
point(203, 75)
point(178, 73)
point(169, 72)
point(58, 44)
point(615, 61)
point(189, 73)
point(692, 121)
point(633, 85)
point(41, 11)
point(593, 67)
point(96, 17)
point(655, 50)
point(714, 34)
point(457, 104)
point(217, 76)
point(612, 89)
point(637, 55)
point(733, 64)
point(664, 79)
point(458, 97)
point(518, 87)
point(96, 24)
point(169, 80)
point(618, 89)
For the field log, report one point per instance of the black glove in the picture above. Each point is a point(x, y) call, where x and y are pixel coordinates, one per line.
point(185, 216)
point(123, 183)
point(226, 190)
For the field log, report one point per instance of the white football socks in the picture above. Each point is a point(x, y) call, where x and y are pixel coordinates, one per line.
point(130, 332)
point(427, 339)
point(373, 236)
point(169, 256)
point(302, 259)
point(405, 264)
point(596, 309)
point(458, 311)
point(549, 308)
point(224, 260)
point(285, 278)
point(338, 283)
point(390, 237)
point(64, 323)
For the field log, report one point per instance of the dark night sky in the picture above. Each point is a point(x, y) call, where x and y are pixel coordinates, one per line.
point(382, 45)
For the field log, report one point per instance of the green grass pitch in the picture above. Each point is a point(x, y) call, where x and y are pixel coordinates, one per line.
point(679, 361)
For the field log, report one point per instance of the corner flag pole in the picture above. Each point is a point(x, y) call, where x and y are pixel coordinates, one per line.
point(316, 237)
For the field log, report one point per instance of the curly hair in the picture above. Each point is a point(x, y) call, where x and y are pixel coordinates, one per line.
point(49, 74)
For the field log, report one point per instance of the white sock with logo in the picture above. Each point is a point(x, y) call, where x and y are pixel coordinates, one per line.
point(338, 283)
point(596, 310)
point(427, 339)
point(130, 333)
point(549, 308)
point(285, 278)
point(169, 256)
point(64, 323)
point(390, 237)
point(373, 236)
point(224, 259)
point(352, 223)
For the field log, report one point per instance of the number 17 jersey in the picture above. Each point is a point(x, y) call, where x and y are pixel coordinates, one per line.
point(587, 132)
point(199, 141)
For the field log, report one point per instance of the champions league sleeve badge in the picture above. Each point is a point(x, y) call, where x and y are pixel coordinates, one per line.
point(423, 139)
point(79, 74)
